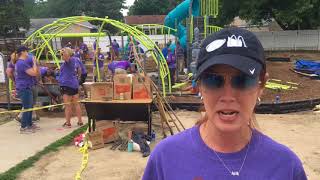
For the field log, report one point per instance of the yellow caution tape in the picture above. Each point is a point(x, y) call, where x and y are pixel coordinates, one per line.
point(85, 158)
point(36, 108)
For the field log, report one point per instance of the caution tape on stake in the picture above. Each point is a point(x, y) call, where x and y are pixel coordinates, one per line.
point(85, 157)
point(37, 108)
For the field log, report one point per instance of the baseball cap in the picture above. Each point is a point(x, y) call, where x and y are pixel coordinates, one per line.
point(235, 47)
point(22, 48)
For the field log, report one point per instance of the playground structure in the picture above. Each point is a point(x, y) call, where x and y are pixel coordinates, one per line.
point(44, 35)
point(197, 15)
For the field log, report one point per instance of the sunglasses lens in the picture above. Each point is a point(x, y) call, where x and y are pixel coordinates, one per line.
point(212, 81)
point(243, 81)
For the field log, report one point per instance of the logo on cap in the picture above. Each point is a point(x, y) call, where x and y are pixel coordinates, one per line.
point(252, 70)
point(216, 44)
point(235, 41)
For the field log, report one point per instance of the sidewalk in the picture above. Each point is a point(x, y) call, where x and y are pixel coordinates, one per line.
point(16, 147)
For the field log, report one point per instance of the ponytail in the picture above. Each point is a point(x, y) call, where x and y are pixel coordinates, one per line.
point(14, 57)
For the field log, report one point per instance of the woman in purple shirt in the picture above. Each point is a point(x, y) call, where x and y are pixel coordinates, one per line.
point(24, 80)
point(225, 144)
point(69, 85)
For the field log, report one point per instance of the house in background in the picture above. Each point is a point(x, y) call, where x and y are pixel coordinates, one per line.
point(146, 19)
point(58, 43)
point(266, 26)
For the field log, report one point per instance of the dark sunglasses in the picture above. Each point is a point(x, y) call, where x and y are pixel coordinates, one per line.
point(240, 82)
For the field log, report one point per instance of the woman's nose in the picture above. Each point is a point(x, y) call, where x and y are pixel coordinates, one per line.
point(228, 93)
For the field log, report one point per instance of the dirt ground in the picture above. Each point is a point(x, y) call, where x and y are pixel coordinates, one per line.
point(299, 131)
point(306, 89)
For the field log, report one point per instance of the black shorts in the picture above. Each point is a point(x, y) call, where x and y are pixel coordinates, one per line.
point(68, 91)
point(83, 78)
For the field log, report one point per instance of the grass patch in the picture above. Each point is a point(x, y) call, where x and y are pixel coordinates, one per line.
point(13, 172)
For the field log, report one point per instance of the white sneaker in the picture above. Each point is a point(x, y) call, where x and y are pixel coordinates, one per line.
point(27, 130)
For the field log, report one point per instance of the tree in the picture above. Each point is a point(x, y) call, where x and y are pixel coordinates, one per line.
point(289, 14)
point(66, 8)
point(12, 17)
point(153, 7)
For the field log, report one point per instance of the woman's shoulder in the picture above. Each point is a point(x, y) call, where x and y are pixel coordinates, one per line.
point(272, 147)
point(176, 142)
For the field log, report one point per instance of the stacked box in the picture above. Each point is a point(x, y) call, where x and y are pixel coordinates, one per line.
point(141, 87)
point(101, 91)
point(122, 87)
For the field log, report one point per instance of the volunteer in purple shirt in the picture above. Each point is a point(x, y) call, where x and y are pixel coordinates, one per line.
point(226, 144)
point(69, 85)
point(171, 60)
point(10, 68)
point(100, 60)
point(24, 74)
point(83, 73)
point(123, 64)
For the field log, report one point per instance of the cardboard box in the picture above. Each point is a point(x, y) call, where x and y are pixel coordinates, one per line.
point(122, 87)
point(96, 140)
point(141, 87)
point(108, 129)
point(102, 91)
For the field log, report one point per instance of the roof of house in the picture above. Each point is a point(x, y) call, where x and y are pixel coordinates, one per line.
point(145, 19)
point(266, 26)
point(36, 24)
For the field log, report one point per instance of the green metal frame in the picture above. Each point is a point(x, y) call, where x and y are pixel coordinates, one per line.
point(164, 29)
point(209, 8)
point(45, 34)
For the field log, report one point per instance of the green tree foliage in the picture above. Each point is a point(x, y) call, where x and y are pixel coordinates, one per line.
point(66, 8)
point(289, 14)
point(153, 7)
point(12, 17)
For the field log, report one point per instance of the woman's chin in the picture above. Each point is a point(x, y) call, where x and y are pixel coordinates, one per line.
point(228, 125)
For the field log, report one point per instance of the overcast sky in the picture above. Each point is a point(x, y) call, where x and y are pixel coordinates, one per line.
point(128, 3)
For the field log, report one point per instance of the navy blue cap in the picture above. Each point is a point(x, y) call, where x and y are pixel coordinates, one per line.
point(22, 48)
point(235, 47)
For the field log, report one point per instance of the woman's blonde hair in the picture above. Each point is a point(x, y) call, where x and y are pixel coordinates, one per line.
point(14, 57)
point(253, 123)
point(67, 50)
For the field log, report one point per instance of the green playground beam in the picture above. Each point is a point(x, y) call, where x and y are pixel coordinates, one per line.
point(65, 35)
point(63, 23)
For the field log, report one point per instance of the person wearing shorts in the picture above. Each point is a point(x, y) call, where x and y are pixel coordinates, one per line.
point(69, 85)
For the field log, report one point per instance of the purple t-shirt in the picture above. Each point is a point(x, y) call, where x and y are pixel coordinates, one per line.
point(119, 64)
point(43, 71)
point(77, 54)
point(11, 65)
point(100, 61)
point(81, 66)
point(68, 76)
point(84, 47)
point(171, 61)
point(30, 62)
point(186, 156)
point(23, 80)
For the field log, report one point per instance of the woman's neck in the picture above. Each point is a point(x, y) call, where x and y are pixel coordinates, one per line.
point(225, 142)
point(23, 57)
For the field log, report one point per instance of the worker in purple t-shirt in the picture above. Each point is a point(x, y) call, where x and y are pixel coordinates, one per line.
point(10, 73)
point(225, 144)
point(69, 85)
point(10, 68)
point(100, 60)
point(171, 60)
point(24, 78)
point(123, 65)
